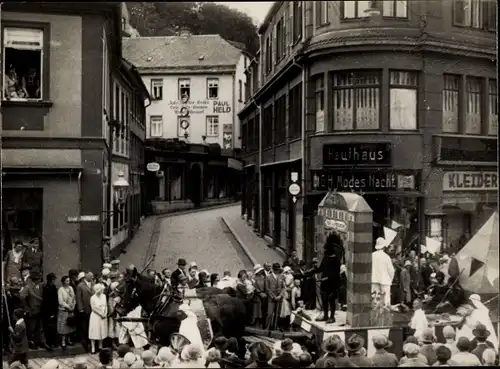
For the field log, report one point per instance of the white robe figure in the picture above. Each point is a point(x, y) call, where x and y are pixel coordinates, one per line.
point(419, 323)
point(480, 315)
point(134, 330)
point(382, 271)
point(189, 327)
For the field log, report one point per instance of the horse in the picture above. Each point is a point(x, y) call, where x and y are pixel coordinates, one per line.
point(226, 313)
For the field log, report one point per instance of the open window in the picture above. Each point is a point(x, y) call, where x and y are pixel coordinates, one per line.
point(22, 64)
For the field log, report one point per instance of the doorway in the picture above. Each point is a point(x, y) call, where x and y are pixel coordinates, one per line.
point(194, 184)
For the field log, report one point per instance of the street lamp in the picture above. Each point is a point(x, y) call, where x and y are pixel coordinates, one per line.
point(120, 190)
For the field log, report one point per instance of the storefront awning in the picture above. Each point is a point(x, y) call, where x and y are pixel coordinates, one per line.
point(281, 162)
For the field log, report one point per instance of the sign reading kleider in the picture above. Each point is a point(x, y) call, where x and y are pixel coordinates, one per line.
point(470, 181)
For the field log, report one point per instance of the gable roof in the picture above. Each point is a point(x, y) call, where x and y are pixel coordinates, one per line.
point(187, 52)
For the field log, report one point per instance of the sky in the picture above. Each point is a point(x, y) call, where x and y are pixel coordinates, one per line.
point(257, 10)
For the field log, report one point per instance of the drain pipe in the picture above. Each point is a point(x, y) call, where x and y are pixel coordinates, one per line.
point(79, 186)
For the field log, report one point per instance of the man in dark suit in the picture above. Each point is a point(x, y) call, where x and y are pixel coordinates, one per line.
point(481, 334)
point(50, 308)
point(84, 292)
point(181, 269)
point(286, 359)
point(32, 297)
point(273, 288)
point(33, 256)
point(19, 339)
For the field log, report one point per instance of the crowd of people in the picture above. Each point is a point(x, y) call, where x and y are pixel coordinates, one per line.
point(83, 309)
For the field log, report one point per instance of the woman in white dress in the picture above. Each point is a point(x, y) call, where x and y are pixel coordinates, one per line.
point(98, 325)
point(189, 327)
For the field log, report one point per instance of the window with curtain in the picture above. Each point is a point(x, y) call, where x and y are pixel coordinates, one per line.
point(479, 14)
point(493, 107)
point(395, 8)
point(474, 100)
point(355, 9)
point(403, 100)
point(451, 95)
point(356, 100)
point(319, 93)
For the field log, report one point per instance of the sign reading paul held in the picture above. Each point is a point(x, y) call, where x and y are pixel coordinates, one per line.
point(470, 181)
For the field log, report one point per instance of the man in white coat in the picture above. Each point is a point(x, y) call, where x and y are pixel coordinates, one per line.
point(382, 271)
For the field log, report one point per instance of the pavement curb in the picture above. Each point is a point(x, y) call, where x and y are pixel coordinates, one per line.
point(155, 235)
point(240, 242)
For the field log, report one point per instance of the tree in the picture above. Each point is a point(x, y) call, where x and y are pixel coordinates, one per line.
point(167, 18)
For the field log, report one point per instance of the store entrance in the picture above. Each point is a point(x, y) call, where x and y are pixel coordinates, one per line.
point(379, 204)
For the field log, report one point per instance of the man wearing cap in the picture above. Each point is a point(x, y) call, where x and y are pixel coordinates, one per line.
point(33, 256)
point(354, 345)
point(106, 249)
point(274, 295)
point(115, 266)
point(181, 269)
point(83, 293)
point(260, 297)
point(382, 271)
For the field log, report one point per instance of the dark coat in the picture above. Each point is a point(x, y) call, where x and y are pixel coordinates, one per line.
point(273, 287)
point(34, 260)
point(32, 297)
point(50, 304)
point(174, 278)
point(20, 338)
point(285, 360)
point(83, 295)
point(480, 349)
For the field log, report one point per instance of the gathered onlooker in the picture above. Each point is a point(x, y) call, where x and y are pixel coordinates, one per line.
point(381, 357)
point(84, 291)
point(204, 279)
point(286, 359)
point(32, 297)
point(443, 354)
point(227, 281)
point(420, 357)
point(214, 279)
point(332, 346)
point(166, 274)
point(105, 358)
point(489, 357)
point(481, 334)
point(193, 277)
point(305, 360)
point(50, 308)
point(213, 357)
point(19, 336)
point(98, 323)
point(13, 261)
point(412, 350)
point(464, 357)
point(166, 358)
point(113, 326)
point(66, 314)
point(354, 345)
point(148, 358)
point(129, 359)
point(121, 351)
point(449, 335)
point(427, 347)
point(261, 356)
point(33, 256)
point(191, 357)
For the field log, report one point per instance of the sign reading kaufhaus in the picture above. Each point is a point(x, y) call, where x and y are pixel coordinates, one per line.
point(357, 154)
point(470, 181)
point(365, 181)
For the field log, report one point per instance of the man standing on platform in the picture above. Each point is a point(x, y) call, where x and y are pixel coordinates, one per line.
point(382, 271)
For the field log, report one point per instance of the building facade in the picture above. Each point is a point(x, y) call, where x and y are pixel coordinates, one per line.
point(381, 99)
point(197, 87)
point(56, 128)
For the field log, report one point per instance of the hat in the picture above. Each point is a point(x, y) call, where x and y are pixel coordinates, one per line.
point(287, 345)
point(192, 264)
point(381, 341)
point(380, 243)
point(355, 343)
point(481, 331)
point(105, 272)
point(262, 353)
point(448, 332)
point(51, 364)
point(98, 287)
point(122, 350)
point(115, 262)
point(129, 358)
point(220, 341)
point(331, 345)
point(181, 262)
point(106, 266)
point(80, 363)
point(106, 238)
point(147, 356)
point(287, 269)
point(25, 267)
point(257, 268)
point(113, 274)
point(411, 349)
point(427, 336)
point(407, 263)
point(80, 276)
point(276, 266)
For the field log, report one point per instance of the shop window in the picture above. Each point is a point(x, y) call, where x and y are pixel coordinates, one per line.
point(280, 120)
point(213, 88)
point(184, 88)
point(474, 106)
point(156, 126)
point(267, 127)
point(395, 8)
point(403, 100)
point(451, 97)
point(355, 9)
point(493, 108)
point(23, 64)
point(319, 93)
point(321, 12)
point(212, 126)
point(157, 89)
point(356, 100)
point(295, 112)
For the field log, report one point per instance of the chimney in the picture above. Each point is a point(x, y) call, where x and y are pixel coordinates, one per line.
point(185, 32)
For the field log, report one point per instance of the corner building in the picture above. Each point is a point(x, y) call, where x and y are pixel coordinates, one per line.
point(389, 102)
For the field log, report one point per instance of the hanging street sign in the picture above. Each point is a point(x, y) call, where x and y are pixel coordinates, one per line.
point(294, 176)
point(153, 167)
point(294, 189)
point(84, 218)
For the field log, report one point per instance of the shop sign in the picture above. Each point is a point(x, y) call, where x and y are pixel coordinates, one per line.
point(357, 154)
point(337, 225)
point(193, 107)
point(364, 181)
point(470, 181)
point(221, 107)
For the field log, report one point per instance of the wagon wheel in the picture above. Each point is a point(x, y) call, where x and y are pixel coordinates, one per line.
point(178, 342)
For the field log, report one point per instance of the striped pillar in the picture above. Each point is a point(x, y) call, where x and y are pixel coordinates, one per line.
point(359, 265)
